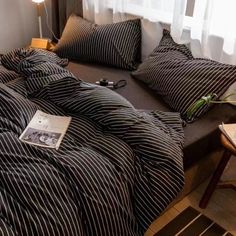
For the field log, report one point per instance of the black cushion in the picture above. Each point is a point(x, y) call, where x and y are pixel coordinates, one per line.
point(181, 79)
point(115, 44)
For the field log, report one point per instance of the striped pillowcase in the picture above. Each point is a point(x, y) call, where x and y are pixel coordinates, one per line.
point(117, 44)
point(181, 79)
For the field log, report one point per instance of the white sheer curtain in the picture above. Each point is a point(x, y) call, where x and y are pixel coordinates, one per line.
point(212, 27)
point(213, 32)
point(152, 12)
point(117, 10)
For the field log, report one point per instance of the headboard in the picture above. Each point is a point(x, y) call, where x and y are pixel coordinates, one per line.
point(61, 10)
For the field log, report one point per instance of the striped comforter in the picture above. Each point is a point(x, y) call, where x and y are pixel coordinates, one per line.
point(116, 170)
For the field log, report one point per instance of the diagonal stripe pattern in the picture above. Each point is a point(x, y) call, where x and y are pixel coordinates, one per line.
point(181, 79)
point(116, 170)
point(117, 44)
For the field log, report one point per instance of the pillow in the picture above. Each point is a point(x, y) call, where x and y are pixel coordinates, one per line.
point(116, 44)
point(230, 94)
point(181, 79)
point(151, 36)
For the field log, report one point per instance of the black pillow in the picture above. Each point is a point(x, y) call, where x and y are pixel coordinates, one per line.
point(181, 79)
point(115, 44)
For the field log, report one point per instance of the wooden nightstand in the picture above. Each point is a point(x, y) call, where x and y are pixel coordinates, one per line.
point(214, 182)
point(42, 43)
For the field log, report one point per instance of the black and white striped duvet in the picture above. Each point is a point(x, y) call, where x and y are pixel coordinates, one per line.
point(115, 172)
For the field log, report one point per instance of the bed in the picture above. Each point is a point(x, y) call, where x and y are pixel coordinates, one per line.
point(125, 155)
point(202, 133)
point(117, 168)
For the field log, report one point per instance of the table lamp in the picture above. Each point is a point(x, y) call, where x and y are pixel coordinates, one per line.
point(39, 16)
point(39, 42)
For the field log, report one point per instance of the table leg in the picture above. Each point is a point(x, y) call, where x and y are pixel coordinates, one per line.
point(215, 179)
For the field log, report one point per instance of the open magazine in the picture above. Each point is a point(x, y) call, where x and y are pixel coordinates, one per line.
point(45, 130)
point(229, 130)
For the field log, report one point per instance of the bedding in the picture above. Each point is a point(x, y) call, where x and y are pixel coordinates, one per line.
point(117, 44)
point(6, 75)
point(117, 167)
point(203, 132)
point(180, 79)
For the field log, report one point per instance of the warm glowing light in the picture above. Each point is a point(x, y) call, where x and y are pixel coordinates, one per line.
point(38, 1)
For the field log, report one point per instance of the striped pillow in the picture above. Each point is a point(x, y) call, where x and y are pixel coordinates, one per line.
point(181, 79)
point(116, 44)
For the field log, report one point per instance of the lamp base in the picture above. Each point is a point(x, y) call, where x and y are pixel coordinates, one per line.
point(40, 43)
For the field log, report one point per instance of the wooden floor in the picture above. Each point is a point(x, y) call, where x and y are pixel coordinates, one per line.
point(221, 207)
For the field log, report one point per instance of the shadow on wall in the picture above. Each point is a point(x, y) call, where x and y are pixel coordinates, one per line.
point(18, 24)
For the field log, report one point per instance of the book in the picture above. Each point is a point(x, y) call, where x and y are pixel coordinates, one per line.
point(229, 130)
point(45, 130)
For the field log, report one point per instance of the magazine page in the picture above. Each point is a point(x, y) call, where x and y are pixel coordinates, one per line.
point(229, 130)
point(45, 130)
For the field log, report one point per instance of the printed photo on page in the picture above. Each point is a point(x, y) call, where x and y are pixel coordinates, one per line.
point(46, 130)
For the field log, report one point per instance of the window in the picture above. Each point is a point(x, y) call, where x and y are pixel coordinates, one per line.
point(154, 10)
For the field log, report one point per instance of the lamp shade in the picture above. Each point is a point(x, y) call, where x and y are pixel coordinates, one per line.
point(38, 1)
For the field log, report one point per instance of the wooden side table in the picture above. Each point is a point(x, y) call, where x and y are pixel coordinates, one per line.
point(214, 182)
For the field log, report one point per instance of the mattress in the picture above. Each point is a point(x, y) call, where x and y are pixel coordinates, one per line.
point(201, 137)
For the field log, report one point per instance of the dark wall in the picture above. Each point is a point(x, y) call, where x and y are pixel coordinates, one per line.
point(61, 10)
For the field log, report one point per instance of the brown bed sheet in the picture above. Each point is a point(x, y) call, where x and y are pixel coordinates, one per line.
point(201, 137)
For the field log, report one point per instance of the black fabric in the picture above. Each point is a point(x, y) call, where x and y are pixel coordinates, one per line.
point(203, 133)
point(115, 172)
point(13, 59)
point(6, 75)
point(48, 67)
point(61, 10)
point(181, 79)
point(115, 44)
